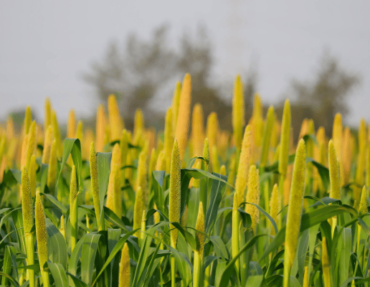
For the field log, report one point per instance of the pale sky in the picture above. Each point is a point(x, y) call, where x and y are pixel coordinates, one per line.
point(45, 46)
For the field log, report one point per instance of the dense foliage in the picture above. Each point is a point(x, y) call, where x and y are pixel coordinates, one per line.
point(251, 207)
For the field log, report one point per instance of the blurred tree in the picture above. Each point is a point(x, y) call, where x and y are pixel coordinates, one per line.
point(142, 72)
point(324, 96)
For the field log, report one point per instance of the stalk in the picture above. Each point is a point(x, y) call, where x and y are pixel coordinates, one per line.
point(73, 193)
point(203, 197)
point(306, 277)
point(182, 127)
point(42, 240)
point(325, 263)
point(174, 203)
point(362, 209)
point(27, 213)
point(294, 210)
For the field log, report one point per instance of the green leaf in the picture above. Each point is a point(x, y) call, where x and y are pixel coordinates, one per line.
point(59, 274)
point(57, 246)
point(225, 276)
point(323, 172)
point(116, 249)
point(77, 282)
point(217, 192)
point(89, 249)
point(57, 203)
point(309, 219)
point(72, 147)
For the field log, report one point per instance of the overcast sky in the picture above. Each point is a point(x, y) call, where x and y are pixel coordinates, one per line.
point(45, 46)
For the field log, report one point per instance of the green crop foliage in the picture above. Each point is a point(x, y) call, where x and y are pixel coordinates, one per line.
point(192, 205)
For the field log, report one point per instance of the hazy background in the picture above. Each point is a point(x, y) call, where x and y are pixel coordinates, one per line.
point(48, 47)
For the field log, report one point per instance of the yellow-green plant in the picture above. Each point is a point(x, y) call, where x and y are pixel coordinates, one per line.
point(73, 208)
point(27, 213)
point(42, 239)
point(294, 210)
point(174, 202)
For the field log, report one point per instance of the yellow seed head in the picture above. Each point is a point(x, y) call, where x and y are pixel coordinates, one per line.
point(24, 150)
point(27, 120)
point(334, 172)
point(141, 179)
point(304, 129)
point(197, 130)
point(32, 175)
point(368, 165)
point(212, 129)
point(253, 196)
point(238, 112)
point(62, 228)
point(101, 123)
point(175, 106)
point(71, 125)
point(161, 162)
point(138, 210)
point(56, 131)
point(31, 148)
point(362, 209)
point(200, 227)
point(9, 128)
point(79, 130)
point(175, 191)
point(114, 185)
point(138, 122)
point(41, 234)
point(274, 205)
point(243, 168)
point(27, 208)
point(52, 171)
point(215, 161)
point(284, 140)
point(267, 136)
point(347, 154)
point(295, 202)
point(124, 268)
point(47, 144)
point(223, 170)
point(338, 135)
point(47, 121)
point(115, 120)
point(182, 127)
point(168, 138)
